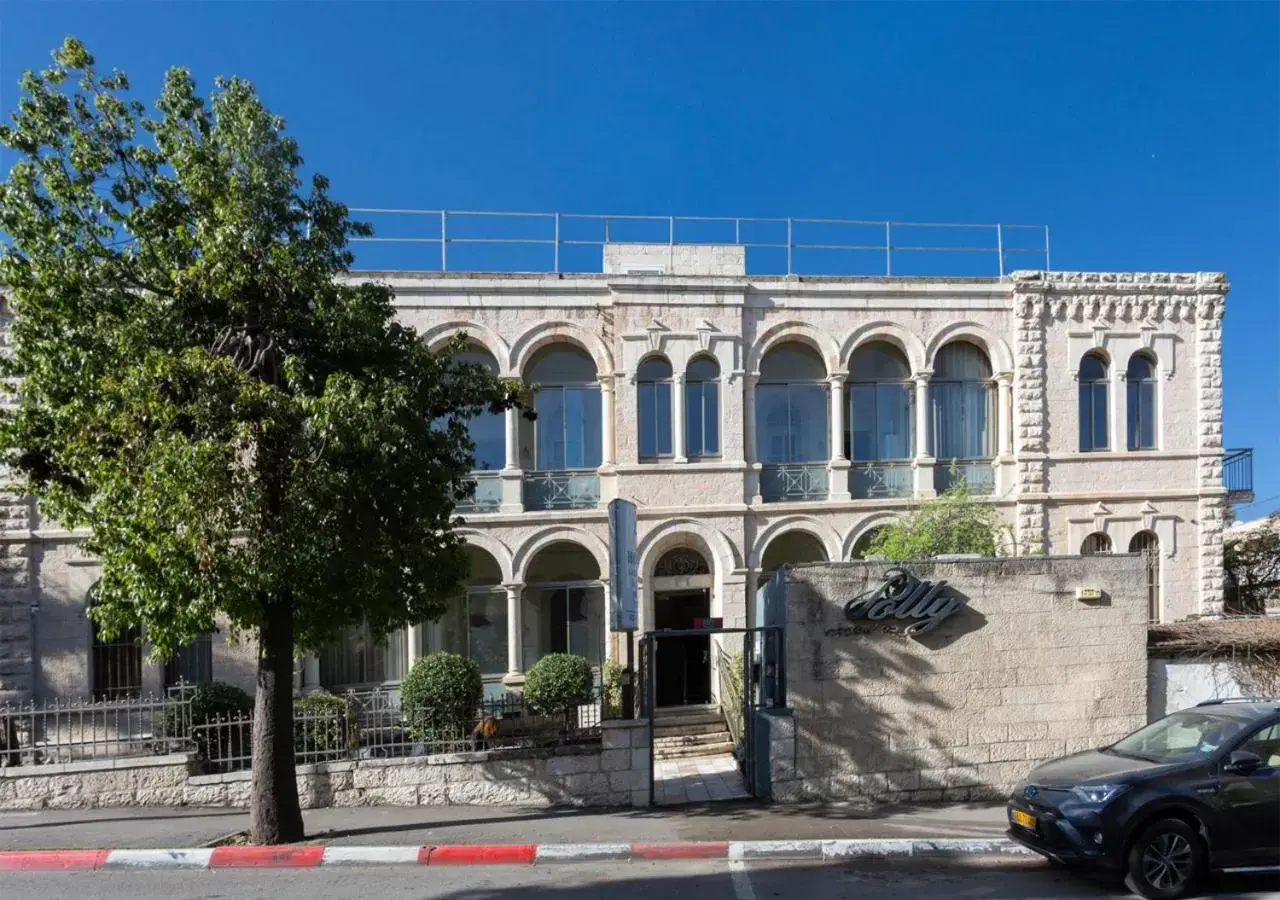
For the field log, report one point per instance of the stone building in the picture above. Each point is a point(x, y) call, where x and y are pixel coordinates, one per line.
point(755, 421)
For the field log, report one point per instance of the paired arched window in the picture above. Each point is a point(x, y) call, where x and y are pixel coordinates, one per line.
point(791, 406)
point(487, 429)
point(881, 424)
point(702, 408)
point(1093, 403)
point(653, 391)
point(1095, 544)
point(1140, 379)
point(1146, 543)
point(567, 433)
point(963, 401)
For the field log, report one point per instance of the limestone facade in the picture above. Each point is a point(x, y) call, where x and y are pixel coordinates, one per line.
point(1032, 328)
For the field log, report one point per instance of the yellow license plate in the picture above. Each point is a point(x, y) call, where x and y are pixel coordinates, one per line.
point(1026, 820)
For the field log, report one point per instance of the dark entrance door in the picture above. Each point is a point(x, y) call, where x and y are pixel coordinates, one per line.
point(682, 662)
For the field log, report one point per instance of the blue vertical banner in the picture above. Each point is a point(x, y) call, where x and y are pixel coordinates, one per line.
point(622, 565)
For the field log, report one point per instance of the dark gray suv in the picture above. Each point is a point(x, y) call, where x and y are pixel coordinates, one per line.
point(1198, 790)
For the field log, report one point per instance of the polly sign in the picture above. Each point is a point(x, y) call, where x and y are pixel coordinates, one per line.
point(903, 597)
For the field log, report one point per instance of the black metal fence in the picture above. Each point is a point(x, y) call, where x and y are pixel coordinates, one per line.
point(365, 725)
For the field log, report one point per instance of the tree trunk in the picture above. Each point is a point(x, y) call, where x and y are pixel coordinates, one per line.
point(275, 816)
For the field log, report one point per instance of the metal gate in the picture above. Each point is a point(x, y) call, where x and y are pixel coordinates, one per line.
point(746, 686)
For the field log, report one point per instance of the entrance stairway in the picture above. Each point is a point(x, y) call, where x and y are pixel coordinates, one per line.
point(683, 732)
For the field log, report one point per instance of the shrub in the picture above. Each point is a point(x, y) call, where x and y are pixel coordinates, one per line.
point(611, 676)
point(324, 725)
point(440, 696)
point(558, 683)
point(207, 704)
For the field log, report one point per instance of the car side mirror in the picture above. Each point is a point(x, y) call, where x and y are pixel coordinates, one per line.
point(1242, 762)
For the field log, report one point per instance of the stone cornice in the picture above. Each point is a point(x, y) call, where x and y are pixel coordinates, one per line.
point(1102, 299)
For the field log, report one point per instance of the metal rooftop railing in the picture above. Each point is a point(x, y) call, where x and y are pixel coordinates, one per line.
point(437, 240)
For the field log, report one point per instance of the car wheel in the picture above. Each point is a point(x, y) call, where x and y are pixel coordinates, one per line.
point(1165, 861)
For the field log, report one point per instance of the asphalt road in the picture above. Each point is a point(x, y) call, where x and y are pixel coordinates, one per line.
point(918, 879)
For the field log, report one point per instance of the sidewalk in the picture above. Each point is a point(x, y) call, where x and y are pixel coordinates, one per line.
point(416, 826)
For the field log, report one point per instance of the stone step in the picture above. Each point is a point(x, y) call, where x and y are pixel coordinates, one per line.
point(693, 740)
point(705, 727)
point(724, 749)
point(681, 713)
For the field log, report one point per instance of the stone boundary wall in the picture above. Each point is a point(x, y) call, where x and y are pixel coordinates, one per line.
point(613, 773)
point(1024, 673)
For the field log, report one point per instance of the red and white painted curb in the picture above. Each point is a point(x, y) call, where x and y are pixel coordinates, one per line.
point(309, 857)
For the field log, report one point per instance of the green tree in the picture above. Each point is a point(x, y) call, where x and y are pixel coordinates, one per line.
point(1251, 556)
point(247, 432)
point(954, 522)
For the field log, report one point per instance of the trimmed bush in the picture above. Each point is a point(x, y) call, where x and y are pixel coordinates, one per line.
point(324, 726)
point(558, 683)
point(440, 697)
point(611, 677)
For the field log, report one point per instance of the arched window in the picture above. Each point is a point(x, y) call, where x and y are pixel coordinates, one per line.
point(116, 663)
point(1093, 403)
point(702, 408)
point(881, 424)
point(963, 401)
point(790, 548)
point(487, 430)
point(1140, 379)
point(653, 390)
point(791, 406)
point(1095, 544)
point(862, 546)
point(1146, 543)
point(563, 605)
point(567, 433)
point(475, 623)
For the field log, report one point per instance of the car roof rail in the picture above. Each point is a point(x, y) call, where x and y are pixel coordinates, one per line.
point(1221, 700)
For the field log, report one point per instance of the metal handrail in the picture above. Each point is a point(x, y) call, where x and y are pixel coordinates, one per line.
point(440, 235)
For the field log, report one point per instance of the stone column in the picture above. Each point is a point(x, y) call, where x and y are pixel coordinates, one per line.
point(924, 461)
point(1213, 491)
point(1030, 413)
point(515, 631)
point(838, 467)
point(1004, 414)
point(512, 478)
point(678, 450)
point(749, 382)
point(607, 458)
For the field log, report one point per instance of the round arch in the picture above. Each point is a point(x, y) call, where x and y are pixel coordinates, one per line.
point(998, 352)
point(545, 333)
point(802, 332)
point(482, 335)
point(891, 333)
point(686, 533)
point(820, 531)
point(862, 529)
point(494, 547)
point(557, 534)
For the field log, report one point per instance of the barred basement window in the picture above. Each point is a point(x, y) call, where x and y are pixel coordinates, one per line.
point(192, 664)
point(1146, 543)
point(1095, 544)
point(116, 665)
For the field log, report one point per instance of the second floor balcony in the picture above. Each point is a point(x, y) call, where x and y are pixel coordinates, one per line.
point(793, 481)
point(561, 490)
point(1237, 475)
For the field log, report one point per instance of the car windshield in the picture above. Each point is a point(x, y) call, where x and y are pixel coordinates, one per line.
point(1181, 736)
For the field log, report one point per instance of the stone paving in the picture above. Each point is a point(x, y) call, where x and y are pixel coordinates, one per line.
point(702, 779)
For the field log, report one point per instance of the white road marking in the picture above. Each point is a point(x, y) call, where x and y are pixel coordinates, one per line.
point(742, 889)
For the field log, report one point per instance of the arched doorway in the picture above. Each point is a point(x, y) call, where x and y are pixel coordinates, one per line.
point(681, 583)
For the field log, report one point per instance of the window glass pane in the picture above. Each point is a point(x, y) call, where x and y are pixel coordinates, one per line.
point(792, 362)
point(772, 423)
point(575, 428)
point(662, 403)
point(693, 392)
point(592, 437)
point(648, 431)
point(550, 407)
point(487, 629)
point(893, 407)
point(488, 431)
point(711, 418)
point(1086, 416)
point(1099, 410)
point(809, 423)
point(1147, 405)
point(703, 368)
point(655, 368)
point(449, 633)
point(879, 361)
point(1140, 368)
point(862, 419)
point(586, 622)
point(1092, 369)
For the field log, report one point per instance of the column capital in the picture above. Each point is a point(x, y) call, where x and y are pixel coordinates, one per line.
point(678, 377)
point(922, 377)
point(513, 586)
point(1003, 378)
point(606, 382)
point(837, 379)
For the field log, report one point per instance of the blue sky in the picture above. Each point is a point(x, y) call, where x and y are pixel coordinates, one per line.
point(1147, 136)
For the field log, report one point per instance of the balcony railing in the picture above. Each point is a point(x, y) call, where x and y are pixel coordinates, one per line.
point(1237, 474)
point(979, 475)
point(794, 481)
point(487, 497)
point(881, 479)
point(561, 490)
